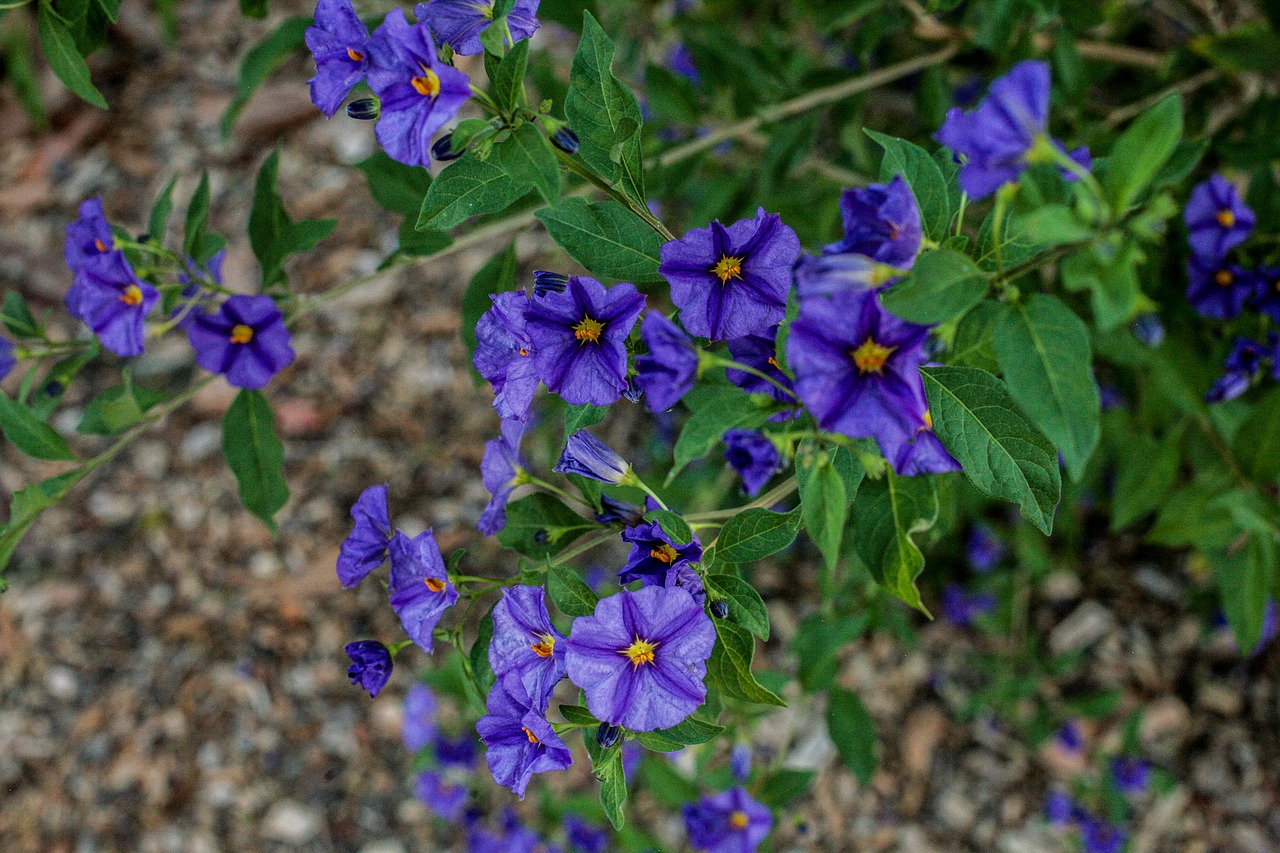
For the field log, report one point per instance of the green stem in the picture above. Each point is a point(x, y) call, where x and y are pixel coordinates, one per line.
point(587, 545)
point(729, 363)
point(556, 490)
point(644, 487)
point(639, 209)
point(768, 499)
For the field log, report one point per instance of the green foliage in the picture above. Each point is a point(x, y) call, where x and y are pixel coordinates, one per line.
point(468, 187)
point(729, 668)
point(255, 455)
point(261, 62)
point(756, 533)
point(540, 526)
point(888, 512)
point(924, 176)
point(29, 434)
point(688, 733)
point(527, 158)
point(569, 593)
point(716, 410)
point(853, 732)
point(746, 607)
point(272, 234)
point(943, 284)
point(605, 238)
point(824, 502)
point(58, 42)
point(1139, 153)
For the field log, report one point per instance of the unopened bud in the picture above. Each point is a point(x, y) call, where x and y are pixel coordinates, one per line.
point(365, 109)
point(549, 282)
point(443, 149)
point(566, 140)
point(719, 608)
point(607, 735)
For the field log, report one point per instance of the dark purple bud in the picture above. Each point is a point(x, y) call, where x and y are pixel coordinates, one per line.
point(720, 608)
point(1227, 387)
point(541, 537)
point(566, 140)
point(548, 282)
point(442, 150)
point(608, 735)
point(1148, 330)
point(365, 109)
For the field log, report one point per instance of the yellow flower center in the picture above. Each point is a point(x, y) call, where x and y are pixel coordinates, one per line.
point(530, 735)
point(1224, 278)
point(727, 268)
point(524, 352)
point(739, 820)
point(434, 584)
point(356, 56)
point(928, 419)
point(131, 295)
point(101, 247)
point(588, 330)
point(428, 85)
point(871, 356)
point(665, 553)
point(241, 334)
point(545, 646)
point(1226, 218)
point(641, 651)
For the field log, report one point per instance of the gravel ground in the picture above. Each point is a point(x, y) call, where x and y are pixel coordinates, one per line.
point(172, 678)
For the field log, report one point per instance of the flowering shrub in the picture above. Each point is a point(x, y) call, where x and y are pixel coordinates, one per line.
point(999, 316)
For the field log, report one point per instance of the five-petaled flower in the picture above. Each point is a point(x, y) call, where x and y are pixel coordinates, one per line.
point(728, 822)
point(365, 547)
point(245, 339)
point(881, 221)
point(1217, 219)
point(731, 281)
point(108, 297)
point(339, 43)
point(580, 337)
point(459, 23)
point(641, 658)
point(519, 740)
point(525, 643)
point(655, 555)
point(1217, 289)
point(420, 586)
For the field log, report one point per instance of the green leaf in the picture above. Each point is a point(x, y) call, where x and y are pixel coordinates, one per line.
point(578, 715)
point(672, 524)
point(527, 158)
point(197, 216)
point(255, 455)
point(716, 410)
point(1257, 442)
point(27, 505)
point(943, 284)
point(1148, 471)
point(465, 188)
point(817, 645)
point(158, 223)
point(782, 786)
point(480, 666)
point(29, 434)
point(253, 8)
point(262, 61)
point(1193, 516)
point(613, 789)
point(1044, 352)
point(1251, 47)
point(498, 275)
point(853, 732)
point(272, 234)
point(117, 408)
point(570, 593)
point(604, 237)
point(822, 502)
point(1245, 580)
point(924, 177)
point(729, 668)
point(746, 607)
point(972, 345)
point(1050, 225)
point(756, 533)
point(395, 186)
point(59, 47)
point(886, 514)
point(689, 732)
point(17, 317)
point(507, 85)
point(1139, 153)
point(540, 525)
point(1114, 290)
point(604, 112)
point(1002, 453)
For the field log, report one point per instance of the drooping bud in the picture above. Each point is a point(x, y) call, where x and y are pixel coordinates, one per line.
point(443, 149)
point(545, 282)
point(607, 735)
point(720, 608)
point(365, 109)
point(566, 140)
point(1148, 330)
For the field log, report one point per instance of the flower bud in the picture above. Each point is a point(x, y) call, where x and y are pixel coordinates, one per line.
point(720, 608)
point(548, 282)
point(443, 151)
point(365, 109)
point(566, 140)
point(1148, 330)
point(588, 456)
point(608, 735)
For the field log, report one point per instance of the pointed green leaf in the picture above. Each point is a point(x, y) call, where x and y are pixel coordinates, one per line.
point(613, 788)
point(604, 237)
point(853, 732)
point(158, 223)
point(756, 533)
point(886, 514)
point(465, 188)
point(1257, 441)
point(1139, 153)
point(943, 284)
point(746, 607)
point(527, 158)
point(540, 525)
point(924, 177)
point(59, 47)
point(822, 502)
point(255, 455)
point(729, 668)
point(29, 434)
point(570, 593)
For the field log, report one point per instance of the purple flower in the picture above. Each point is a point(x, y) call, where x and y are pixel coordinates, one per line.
point(459, 23)
point(1266, 290)
point(881, 221)
point(728, 822)
point(740, 761)
point(824, 275)
point(420, 709)
point(504, 355)
point(365, 547)
point(588, 456)
point(580, 337)
point(370, 665)
point(670, 368)
point(525, 644)
point(1058, 808)
point(613, 510)
point(500, 470)
point(418, 93)
point(339, 43)
point(730, 282)
point(1246, 355)
point(7, 359)
point(753, 456)
point(759, 351)
point(1217, 219)
point(680, 60)
point(89, 238)
point(856, 368)
point(962, 608)
point(1098, 836)
point(995, 139)
point(420, 587)
point(519, 739)
point(445, 797)
point(655, 555)
point(109, 298)
point(1131, 775)
point(642, 657)
point(1217, 289)
point(456, 752)
point(1228, 386)
point(920, 452)
point(1070, 738)
point(984, 550)
point(585, 837)
point(1148, 330)
point(245, 340)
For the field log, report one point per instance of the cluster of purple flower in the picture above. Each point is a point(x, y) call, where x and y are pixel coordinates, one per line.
point(244, 337)
point(443, 787)
point(417, 92)
point(1127, 775)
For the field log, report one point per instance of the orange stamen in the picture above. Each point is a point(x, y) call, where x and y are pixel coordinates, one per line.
point(589, 330)
point(871, 356)
point(727, 268)
point(241, 334)
point(434, 584)
point(131, 295)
